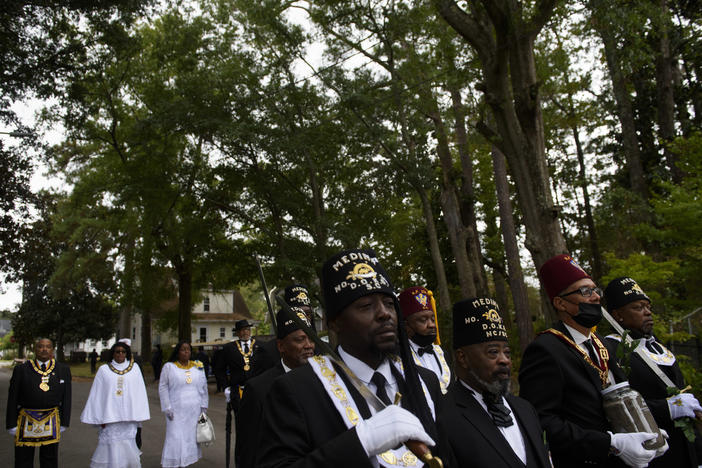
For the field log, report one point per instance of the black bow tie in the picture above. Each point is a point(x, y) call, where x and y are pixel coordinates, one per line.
point(501, 415)
point(425, 349)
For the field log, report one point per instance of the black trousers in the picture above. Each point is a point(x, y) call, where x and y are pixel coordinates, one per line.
point(48, 456)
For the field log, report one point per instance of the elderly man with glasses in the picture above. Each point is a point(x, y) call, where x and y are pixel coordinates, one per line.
point(564, 371)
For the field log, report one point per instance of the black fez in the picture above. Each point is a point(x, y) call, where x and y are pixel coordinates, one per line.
point(241, 324)
point(287, 325)
point(297, 295)
point(477, 320)
point(352, 274)
point(621, 291)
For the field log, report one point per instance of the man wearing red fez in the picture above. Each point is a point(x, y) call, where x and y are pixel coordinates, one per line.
point(564, 371)
point(419, 310)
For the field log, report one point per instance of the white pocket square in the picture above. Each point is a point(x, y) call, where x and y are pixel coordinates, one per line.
point(61, 381)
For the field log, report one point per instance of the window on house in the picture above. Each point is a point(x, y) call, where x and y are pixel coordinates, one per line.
point(233, 332)
point(222, 332)
point(134, 333)
point(203, 334)
point(206, 304)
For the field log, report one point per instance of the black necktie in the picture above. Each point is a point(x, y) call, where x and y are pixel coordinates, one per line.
point(246, 347)
point(429, 349)
point(379, 380)
point(501, 415)
point(654, 347)
point(43, 367)
point(591, 351)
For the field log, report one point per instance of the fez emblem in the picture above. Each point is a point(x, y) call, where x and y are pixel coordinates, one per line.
point(303, 317)
point(361, 271)
point(492, 316)
point(302, 298)
point(572, 261)
point(637, 288)
point(422, 299)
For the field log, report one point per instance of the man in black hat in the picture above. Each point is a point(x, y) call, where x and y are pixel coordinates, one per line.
point(315, 417)
point(483, 413)
point(236, 357)
point(631, 307)
point(294, 348)
point(564, 371)
point(39, 406)
point(267, 356)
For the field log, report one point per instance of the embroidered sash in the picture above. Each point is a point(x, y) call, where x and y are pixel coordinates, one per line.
point(445, 378)
point(38, 427)
point(346, 406)
point(602, 368)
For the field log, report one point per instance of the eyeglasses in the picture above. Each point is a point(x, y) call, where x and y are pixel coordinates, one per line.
point(584, 291)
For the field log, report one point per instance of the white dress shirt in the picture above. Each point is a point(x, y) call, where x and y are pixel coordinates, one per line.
point(580, 339)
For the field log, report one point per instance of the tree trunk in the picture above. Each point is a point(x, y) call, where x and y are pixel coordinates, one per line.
point(625, 108)
point(444, 302)
point(504, 42)
point(514, 267)
point(449, 202)
point(185, 284)
point(468, 192)
point(589, 219)
point(665, 91)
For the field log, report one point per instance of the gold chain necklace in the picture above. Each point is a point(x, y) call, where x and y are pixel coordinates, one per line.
point(121, 372)
point(44, 385)
point(184, 366)
point(247, 355)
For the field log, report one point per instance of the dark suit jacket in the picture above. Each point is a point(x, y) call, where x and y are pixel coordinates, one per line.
point(266, 357)
point(566, 392)
point(467, 426)
point(681, 453)
point(302, 428)
point(24, 392)
point(249, 418)
point(231, 359)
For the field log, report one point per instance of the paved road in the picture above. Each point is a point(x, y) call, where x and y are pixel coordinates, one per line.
point(79, 441)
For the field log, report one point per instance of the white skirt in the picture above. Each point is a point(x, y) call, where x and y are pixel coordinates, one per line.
point(117, 447)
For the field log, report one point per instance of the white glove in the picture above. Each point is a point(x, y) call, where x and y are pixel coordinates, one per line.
point(661, 450)
point(227, 393)
point(169, 414)
point(63, 428)
point(683, 404)
point(388, 428)
point(628, 446)
point(12, 430)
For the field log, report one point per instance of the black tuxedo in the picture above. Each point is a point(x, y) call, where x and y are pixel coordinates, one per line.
point(302, 427)
point(566, 392)
point(681, 453)
point(24, 392)
point(249, 418)
point(466, 425)
point(233, 361)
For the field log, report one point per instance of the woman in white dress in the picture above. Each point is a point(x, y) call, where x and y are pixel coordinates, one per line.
point(183, 392)
point(117, 405)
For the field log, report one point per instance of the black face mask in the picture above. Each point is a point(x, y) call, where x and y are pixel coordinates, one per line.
point(424, 340)
point(589, 314)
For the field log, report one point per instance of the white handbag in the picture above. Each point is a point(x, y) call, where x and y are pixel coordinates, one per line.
point(205, 430)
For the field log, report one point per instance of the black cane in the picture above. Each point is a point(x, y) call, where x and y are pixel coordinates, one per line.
point(228, 429)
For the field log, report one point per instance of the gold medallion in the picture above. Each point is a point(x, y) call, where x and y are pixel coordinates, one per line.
point(44, 386)
point(247, 367)
point(409, 459)
point(119, 392)
point(389, 457)
point(188, 380)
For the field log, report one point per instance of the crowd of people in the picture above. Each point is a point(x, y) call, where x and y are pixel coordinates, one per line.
point(386, 395)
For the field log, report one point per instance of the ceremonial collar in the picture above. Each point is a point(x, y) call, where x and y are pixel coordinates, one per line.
point(578, 337)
